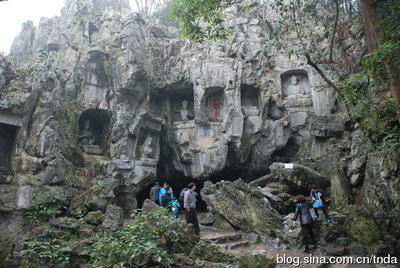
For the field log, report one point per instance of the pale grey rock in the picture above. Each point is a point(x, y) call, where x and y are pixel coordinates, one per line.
point(129, 76)
point(244, 208)
point(113, 218)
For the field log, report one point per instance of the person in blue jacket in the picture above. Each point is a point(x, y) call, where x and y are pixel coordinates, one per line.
point(320, 202)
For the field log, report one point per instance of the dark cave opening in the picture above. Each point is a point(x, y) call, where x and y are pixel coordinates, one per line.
point(7, 146)
point(285, 154)
point(177, 180)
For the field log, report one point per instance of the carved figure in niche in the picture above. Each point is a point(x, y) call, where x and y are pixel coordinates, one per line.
point(147, 149)
point(247, 100)
point(87, 137)
point(185, 113)
point(295, 87)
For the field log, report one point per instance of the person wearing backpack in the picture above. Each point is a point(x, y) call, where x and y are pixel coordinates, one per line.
point(175, 207)
point(303, 214)
point(319, 202)
point(154, 191)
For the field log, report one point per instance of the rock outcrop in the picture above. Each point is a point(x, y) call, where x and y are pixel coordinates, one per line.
point(242, 207)
point(99, 103)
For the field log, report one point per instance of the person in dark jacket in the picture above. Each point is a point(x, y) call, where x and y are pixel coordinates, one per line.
point(319, 194)
point(167, 198)
point(154, 191)
point(303, 214)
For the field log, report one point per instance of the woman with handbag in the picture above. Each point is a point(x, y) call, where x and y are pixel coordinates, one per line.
point(320, 202)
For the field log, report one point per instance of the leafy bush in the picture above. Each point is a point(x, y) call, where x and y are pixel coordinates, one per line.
point(376, 117)
point(45, 205)
point(44, 249)
point(371, 107)
point(140, 244)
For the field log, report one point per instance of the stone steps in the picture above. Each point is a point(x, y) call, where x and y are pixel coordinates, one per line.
point(235, 245)
point(227, 240)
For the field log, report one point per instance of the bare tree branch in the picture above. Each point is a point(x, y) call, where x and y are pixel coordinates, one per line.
point(334, 30)
point(321, 73)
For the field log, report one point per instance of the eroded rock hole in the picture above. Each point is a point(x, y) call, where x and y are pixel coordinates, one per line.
point(94, 131)
point(7, 145)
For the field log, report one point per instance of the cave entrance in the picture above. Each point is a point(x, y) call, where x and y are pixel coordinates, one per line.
point(9, 126)
point(177, 182)
point(7, 146)
point(93, 131)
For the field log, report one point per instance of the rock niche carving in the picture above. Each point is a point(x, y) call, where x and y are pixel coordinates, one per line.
point(296, 88)
point(147, 148)
point(214, 105)
point(182, 105)
point(185, 113)
point(93, 125)
point(250, 100)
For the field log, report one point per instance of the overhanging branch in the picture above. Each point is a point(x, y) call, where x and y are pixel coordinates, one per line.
point(321, 73)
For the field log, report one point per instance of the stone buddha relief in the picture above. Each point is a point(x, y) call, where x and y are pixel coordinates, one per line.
point(87, 137)
point(295, 83)
point(296, 89)
point(92, 131)
point(250, 101)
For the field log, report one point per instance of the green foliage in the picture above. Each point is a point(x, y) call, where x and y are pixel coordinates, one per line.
point(139, 243)
point(202, 19)
point(44, 206)
point(44, 249)
point(163, 14)
point(373, 111)
point(377, 119)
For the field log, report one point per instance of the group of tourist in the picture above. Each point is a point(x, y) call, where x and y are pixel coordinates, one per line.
point(164, 197)
point(188, 197)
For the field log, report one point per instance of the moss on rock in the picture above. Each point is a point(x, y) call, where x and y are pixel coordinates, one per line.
point(205, 250)
point(249, 260)
point(363, 228)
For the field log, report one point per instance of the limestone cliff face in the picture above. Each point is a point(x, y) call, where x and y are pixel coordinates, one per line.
point(101, 96)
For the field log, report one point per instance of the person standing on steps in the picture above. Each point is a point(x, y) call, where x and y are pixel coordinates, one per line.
point(303, 214)
point(154, 191)
point(320, 202)
point(189, 203)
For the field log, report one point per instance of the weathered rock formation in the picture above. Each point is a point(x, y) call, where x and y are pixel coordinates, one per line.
point(98, 103)
point(242, 207)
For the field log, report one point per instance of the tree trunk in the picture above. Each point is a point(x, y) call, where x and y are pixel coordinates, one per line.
point(370, 17)
point(372, 34)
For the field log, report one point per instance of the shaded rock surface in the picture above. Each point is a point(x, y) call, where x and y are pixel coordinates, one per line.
point(244, 208)
point(98, 103)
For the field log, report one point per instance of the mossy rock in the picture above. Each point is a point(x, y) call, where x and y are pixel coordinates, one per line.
point(205, 250)
point(209, 265)
point(363, 228)
point(94, 217)
point(249, 260)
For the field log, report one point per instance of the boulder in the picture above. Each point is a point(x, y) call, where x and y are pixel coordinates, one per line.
point(113, 217)
point(243, 207)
